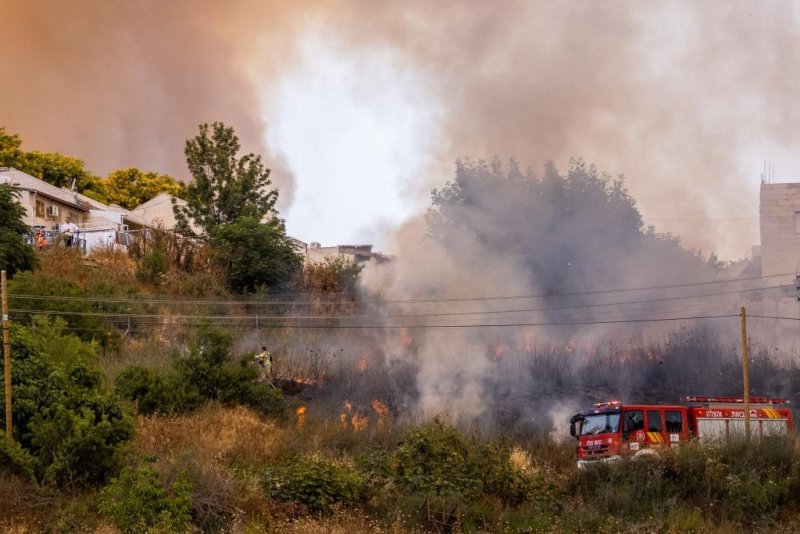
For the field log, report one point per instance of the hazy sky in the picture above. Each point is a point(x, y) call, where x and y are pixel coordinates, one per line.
point(361, 107)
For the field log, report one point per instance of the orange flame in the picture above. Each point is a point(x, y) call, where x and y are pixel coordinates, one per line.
point(307, 381)
point(363, 364)
point(381, 410)
point(344, 415)
point(530, 342)
point(359, 423)
point(405, 337)
point(347, 418)
point(497, 351)
point(301, 415)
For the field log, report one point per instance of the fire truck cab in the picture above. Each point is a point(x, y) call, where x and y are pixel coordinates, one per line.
point(610, 430)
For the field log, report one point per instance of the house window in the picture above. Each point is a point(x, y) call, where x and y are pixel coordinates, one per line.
point(40, 209)
point(797, 222)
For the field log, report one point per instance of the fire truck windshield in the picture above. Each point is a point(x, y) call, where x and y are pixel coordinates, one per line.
point(600, 423)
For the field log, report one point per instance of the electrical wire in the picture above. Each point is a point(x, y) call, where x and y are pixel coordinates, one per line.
point(481, 325)
point(402, 316)
point(237, 302)
point(773, 317)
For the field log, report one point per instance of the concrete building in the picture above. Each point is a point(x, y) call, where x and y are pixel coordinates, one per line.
point(779, 214)
point(779, 225)
point(158, 211)
point(359, 253)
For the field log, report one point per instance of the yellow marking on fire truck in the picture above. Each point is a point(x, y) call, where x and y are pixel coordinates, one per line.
point(772, 413)
point(655, 437)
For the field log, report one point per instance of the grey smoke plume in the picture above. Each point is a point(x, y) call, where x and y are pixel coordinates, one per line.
point(125, 83)
point(669, 93)
point(672, 94)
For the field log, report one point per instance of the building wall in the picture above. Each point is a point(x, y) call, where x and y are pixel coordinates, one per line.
point(780, 228)
point(36, 211)
point(779, 220)
point(358, 253)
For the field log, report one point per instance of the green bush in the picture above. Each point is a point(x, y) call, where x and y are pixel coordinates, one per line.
point(63, 418)
point(14, 460)
point(434, 460)
point(79, 314)
point(205, 373)
point(147, 389)
point(153, 267)
point(255, 254)
point(491, 464)
point(136, 503)
point(733, 482)
point(15, 253)
point(314, 481)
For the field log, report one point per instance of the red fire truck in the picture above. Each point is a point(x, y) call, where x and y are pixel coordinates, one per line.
point(609, 430)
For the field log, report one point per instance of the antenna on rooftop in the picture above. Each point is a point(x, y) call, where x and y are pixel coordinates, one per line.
point(768, 176)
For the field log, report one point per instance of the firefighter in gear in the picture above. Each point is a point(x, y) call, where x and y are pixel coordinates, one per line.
point(264, 362)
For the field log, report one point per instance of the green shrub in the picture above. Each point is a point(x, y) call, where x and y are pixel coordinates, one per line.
point(153, 267)
point(735, 482)
point(75, 311)
point(205, 373)
point(314, 481)
point(15, 254)
point(147, 389)
point(492, 466)
point(434, 460)
point(136, 503)
point(72, 427)
point(14, 460)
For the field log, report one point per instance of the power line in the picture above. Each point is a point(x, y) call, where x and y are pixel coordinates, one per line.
point(475, 325)
point(399, 316)
point(773, 317)
point(232, 302)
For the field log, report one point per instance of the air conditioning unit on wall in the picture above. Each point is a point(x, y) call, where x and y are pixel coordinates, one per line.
point(52, 211)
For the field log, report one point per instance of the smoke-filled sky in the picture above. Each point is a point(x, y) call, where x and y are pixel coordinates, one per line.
point(361, 107)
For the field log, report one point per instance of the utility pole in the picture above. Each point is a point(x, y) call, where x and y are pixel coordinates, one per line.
point(745, 376)
point(6, 356)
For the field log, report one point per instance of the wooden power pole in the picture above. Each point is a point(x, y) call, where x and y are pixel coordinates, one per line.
point(6, 355)
point(745, 376)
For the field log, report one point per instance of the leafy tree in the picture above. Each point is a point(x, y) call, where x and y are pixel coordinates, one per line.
point(15, 253)
point(57, 169)
point(52, 167)
point(229, 200)
point(225, 188)
point(63, 417)
point(131, 187)
point(10, 148)
point(576, 230)
point(255, 254)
